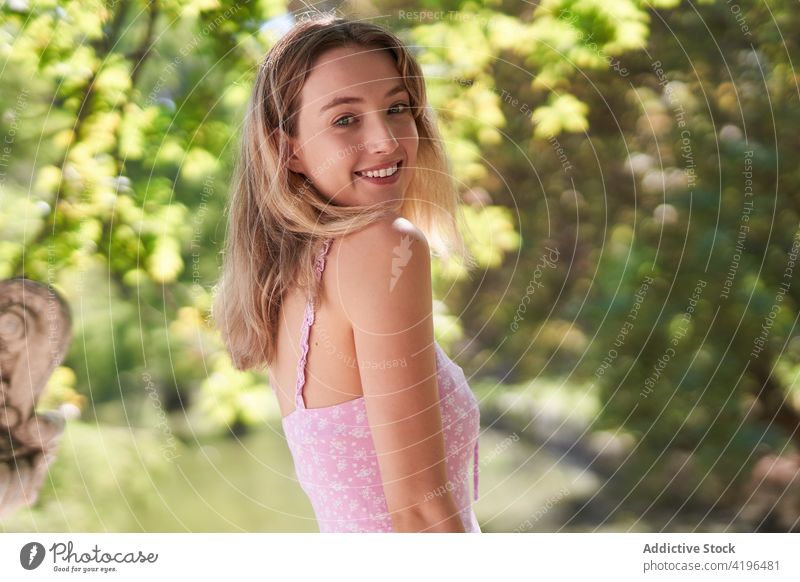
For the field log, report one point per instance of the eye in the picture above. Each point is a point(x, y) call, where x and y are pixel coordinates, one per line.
point(405, 106)
point(338, 123)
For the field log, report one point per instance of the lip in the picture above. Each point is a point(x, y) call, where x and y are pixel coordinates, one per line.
point(381, 166)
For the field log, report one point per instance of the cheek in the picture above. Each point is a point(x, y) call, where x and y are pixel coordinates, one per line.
point(410, 129)
point(411, 140)
point(325, 156)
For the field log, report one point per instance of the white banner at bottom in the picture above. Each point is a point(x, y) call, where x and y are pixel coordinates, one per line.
point(387, 557)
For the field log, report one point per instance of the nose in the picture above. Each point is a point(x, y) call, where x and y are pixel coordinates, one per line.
point(379, 137)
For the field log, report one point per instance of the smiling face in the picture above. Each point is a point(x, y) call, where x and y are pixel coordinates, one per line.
point(355, 115)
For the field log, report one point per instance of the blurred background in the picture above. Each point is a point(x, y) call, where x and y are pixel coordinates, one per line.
point(629, 175)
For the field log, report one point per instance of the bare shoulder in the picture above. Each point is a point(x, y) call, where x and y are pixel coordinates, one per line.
point(383, 266)
point(381, 236)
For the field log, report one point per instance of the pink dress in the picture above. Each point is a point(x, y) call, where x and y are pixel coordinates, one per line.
point(335, 459)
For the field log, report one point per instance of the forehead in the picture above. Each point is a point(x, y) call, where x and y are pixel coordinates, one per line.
point(352, 71)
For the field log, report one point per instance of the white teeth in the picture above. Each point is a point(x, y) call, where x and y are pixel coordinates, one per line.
point(382, 173)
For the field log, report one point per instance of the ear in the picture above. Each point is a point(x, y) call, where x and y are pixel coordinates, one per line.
point(294, 163)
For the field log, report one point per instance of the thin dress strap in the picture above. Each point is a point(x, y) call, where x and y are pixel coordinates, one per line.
point(308, 320)
point(475, 471)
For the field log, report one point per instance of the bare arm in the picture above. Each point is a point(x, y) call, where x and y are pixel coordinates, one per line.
point(391, 313)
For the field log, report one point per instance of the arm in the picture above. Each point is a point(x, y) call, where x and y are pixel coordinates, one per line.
point(390, 310)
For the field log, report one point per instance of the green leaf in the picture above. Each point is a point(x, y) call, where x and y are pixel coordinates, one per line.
point(165, 263)
point(565, 113)
point(492, 233)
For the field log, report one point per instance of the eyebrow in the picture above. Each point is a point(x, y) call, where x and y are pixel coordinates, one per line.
point(346, 99)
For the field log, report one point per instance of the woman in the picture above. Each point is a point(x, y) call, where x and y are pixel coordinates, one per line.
point(341, 186)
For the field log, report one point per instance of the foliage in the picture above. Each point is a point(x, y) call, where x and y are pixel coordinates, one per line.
point(599, 144)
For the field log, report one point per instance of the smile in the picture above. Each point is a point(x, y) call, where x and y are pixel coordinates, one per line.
point(387, 175)
point(382, 173)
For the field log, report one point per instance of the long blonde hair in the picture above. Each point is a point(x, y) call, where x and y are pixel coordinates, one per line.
point(277, 220)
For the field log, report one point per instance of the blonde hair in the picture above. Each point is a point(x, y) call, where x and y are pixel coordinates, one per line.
point(277, 220)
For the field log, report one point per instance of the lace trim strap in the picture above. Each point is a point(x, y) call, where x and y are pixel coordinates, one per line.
point(308, 320)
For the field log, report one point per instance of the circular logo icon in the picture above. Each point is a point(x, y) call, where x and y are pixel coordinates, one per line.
point(31, 555)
